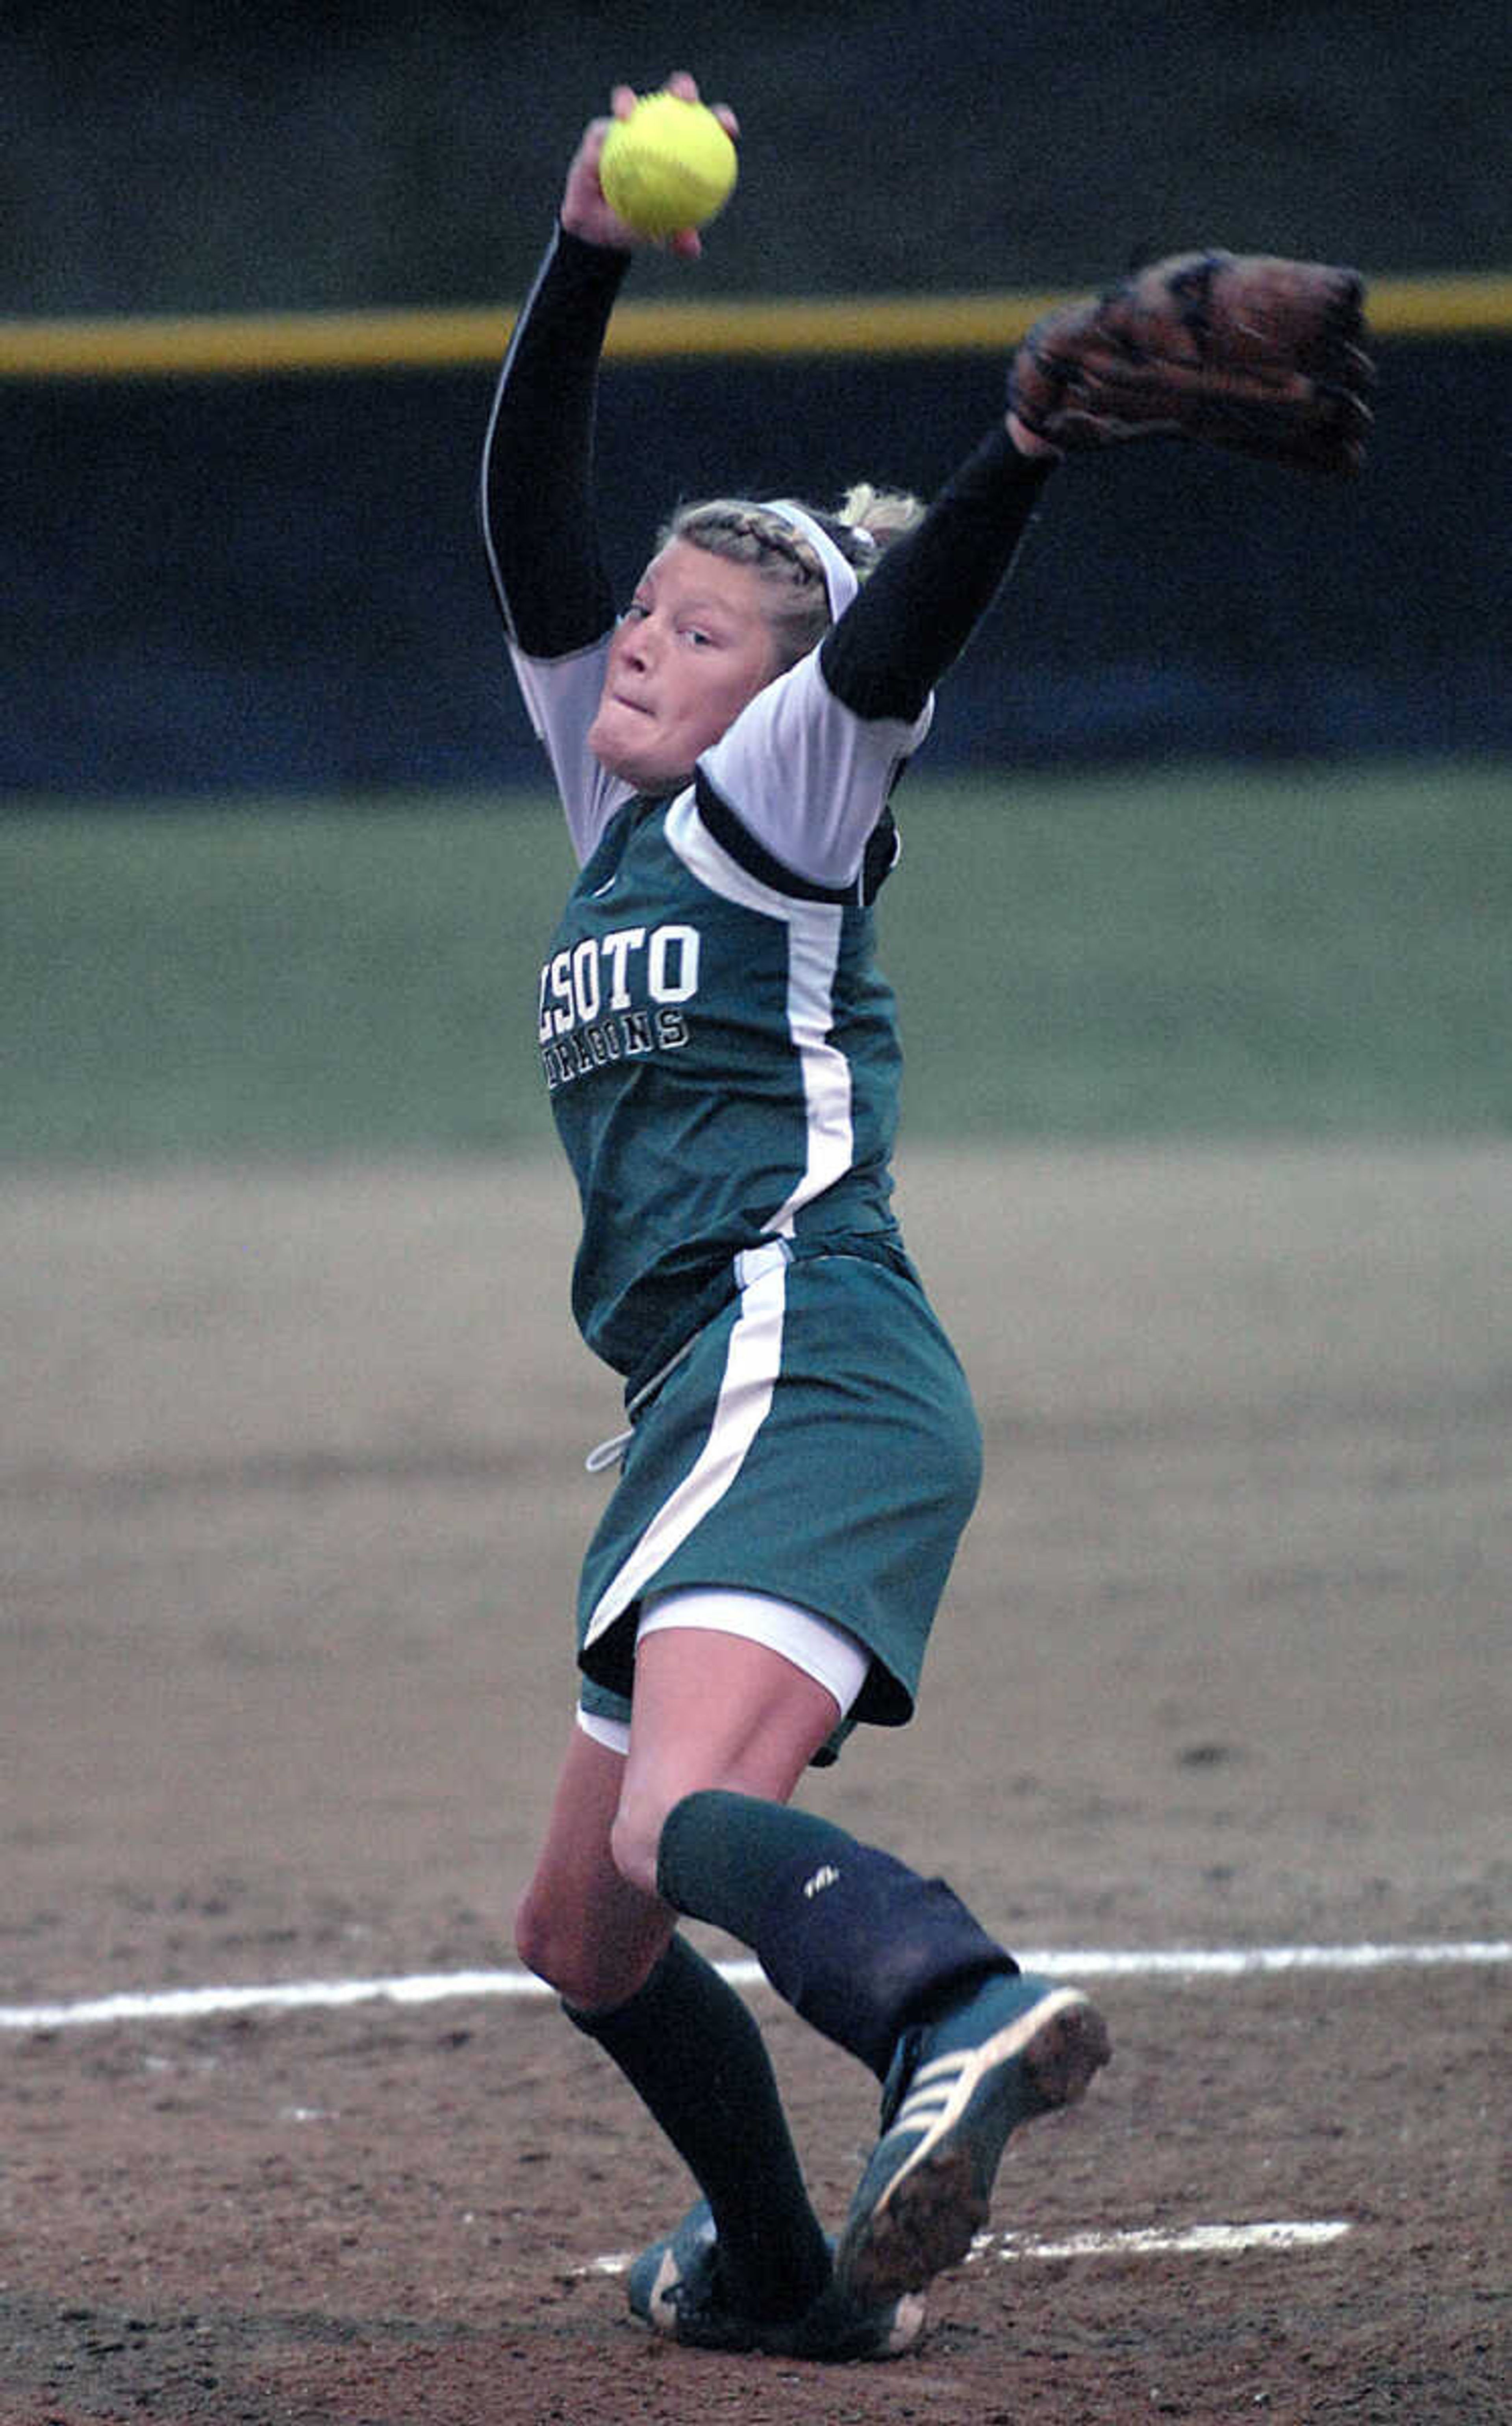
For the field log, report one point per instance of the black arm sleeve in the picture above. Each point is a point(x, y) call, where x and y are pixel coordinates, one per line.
point(916, 612)
point(536, 492)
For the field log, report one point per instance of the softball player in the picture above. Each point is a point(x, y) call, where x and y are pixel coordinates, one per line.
point(802, 1455)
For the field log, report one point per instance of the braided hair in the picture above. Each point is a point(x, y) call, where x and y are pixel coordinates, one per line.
point(867, 521)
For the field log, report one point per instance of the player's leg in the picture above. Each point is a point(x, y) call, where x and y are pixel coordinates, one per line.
point(680, 2034)
point(581, 1925)
point(714, 1708)
point(713, 1705)
point(890, 1966)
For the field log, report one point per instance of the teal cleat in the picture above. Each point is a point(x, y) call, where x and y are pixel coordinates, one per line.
point(675, 2288)
point(1015, 2049)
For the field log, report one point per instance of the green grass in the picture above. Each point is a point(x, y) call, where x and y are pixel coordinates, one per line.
point(1320, 950)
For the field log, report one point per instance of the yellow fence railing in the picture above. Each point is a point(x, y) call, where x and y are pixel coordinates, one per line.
point(254, 344)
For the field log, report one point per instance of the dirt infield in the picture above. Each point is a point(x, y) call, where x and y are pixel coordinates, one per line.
point(291, 1467)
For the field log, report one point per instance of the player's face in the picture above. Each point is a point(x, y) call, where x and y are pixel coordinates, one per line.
point(692, 647)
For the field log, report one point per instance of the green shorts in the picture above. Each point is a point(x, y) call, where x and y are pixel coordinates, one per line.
point(816, 1441)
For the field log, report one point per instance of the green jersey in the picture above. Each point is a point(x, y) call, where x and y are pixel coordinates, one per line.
point(720, 1050)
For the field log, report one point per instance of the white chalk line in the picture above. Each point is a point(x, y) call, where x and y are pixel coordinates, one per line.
point(1192, 1963)
point(1149, 2241)
point(1144, 2240)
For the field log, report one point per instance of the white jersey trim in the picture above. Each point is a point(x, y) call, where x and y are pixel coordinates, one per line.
point(752, 1362)
point(814, 932)
point(808, 778)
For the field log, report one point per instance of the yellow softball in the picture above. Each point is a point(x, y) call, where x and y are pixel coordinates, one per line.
point(666, 167)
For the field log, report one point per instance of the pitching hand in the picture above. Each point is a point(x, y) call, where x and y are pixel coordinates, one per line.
point(584, 213)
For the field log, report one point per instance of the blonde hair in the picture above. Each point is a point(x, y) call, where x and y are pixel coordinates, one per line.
point(866, 521)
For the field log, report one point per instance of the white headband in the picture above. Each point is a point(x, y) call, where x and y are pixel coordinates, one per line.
point(839, 581)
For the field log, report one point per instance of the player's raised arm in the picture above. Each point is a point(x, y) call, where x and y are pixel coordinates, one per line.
point(1260, 356)
point(537, 488)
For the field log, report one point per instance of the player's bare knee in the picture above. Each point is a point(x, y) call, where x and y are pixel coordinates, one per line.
point(590, 1976)
point(536, 1939)
point(549, 1944)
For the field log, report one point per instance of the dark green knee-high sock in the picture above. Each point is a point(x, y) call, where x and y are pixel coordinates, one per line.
point(859, 1945)
point(692, 2051)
